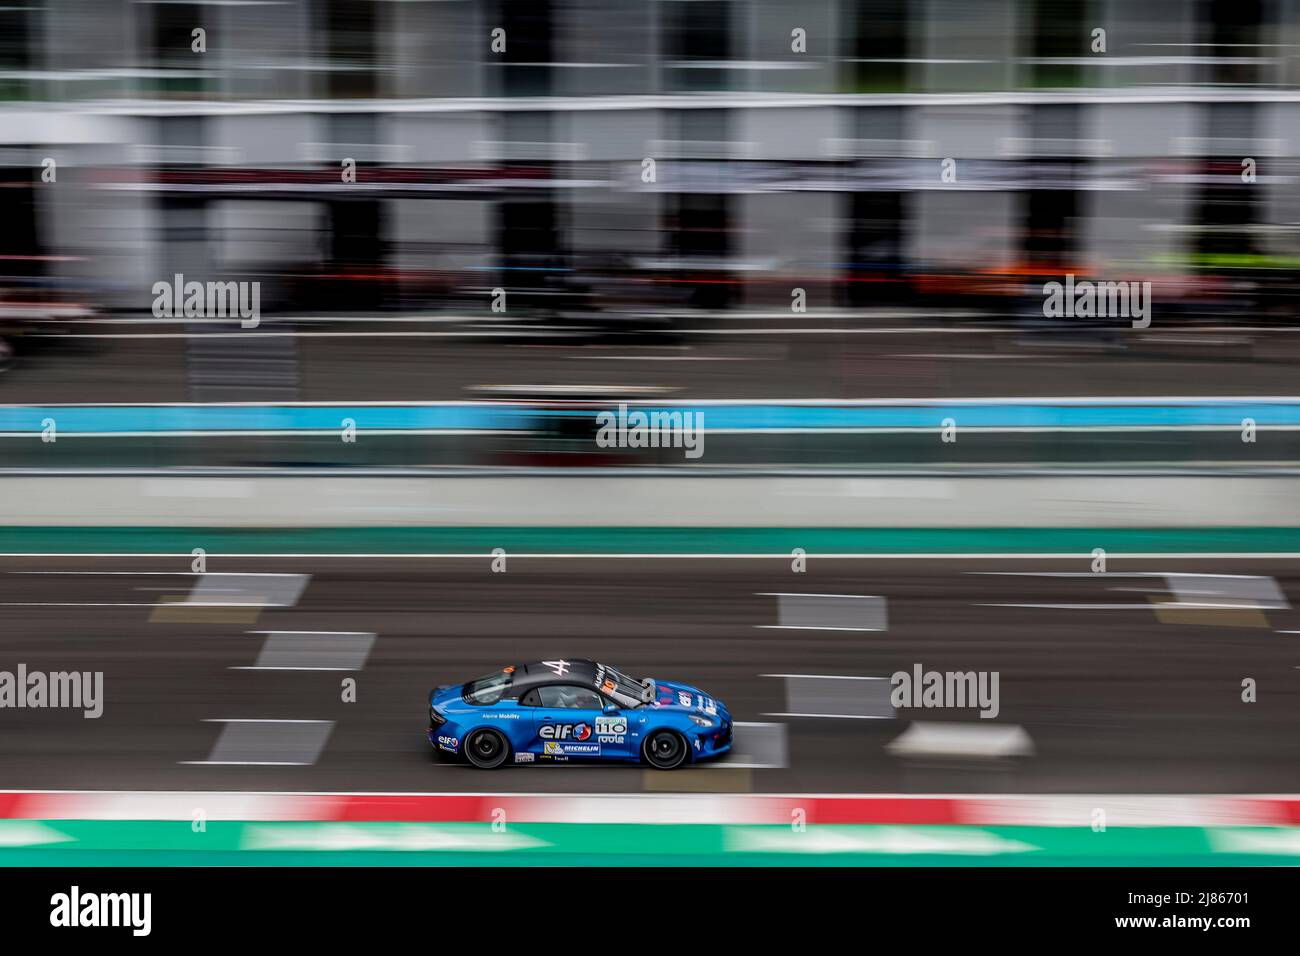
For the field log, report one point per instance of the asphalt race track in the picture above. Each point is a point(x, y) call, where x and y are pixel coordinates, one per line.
point(874, 357)
point(1131, 684)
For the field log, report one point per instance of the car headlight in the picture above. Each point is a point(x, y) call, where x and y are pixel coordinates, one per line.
point(702, 721)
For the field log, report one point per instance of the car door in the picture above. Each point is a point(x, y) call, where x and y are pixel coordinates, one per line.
point(566, 723)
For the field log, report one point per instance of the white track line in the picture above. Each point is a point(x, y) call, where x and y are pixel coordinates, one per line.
point(245, 763)
point(832, 716)
point(603, 555)
point(341, 633)
point(863, 597)
point(823, 676)
point(153, 604)
point(974, 402)
point(241, 574)
point(1154, 605)
point(255, 667)
point(259, 720)
point(1102, 574)
point(810, 627)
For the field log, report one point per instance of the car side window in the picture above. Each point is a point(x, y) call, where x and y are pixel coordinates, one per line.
point(531, 699)
point(570, 697)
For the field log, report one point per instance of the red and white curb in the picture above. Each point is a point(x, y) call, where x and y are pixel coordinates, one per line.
point(1120, 810)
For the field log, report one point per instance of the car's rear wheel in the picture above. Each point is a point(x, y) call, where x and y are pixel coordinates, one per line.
point(487, 749)
point(664, 750)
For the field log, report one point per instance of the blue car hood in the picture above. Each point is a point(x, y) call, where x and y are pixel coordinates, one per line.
point(446, 694)
point(684, 697)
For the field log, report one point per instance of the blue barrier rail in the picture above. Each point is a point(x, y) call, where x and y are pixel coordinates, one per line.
point(727, 416)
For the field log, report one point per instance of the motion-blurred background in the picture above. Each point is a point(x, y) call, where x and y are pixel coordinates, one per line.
point(825, 227)
point(659, 176)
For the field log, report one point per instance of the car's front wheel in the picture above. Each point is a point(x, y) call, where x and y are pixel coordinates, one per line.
point(487, 749)
point(664, 750)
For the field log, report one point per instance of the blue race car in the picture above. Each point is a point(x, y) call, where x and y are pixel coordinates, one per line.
point(576, 710)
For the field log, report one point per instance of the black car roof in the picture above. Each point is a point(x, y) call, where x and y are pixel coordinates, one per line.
point(537, 673)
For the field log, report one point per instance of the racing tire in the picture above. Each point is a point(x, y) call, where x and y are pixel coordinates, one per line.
point(665, 750)
point(487, 749)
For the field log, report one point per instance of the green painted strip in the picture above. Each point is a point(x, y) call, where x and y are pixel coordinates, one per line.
point(156, 843)
point(626, 540)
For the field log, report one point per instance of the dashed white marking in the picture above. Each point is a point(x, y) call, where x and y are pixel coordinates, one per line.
point(756, 746)
point(313, 651)
point(934, 739)
point(267, 742)
point(828, 696)
point(827, 612)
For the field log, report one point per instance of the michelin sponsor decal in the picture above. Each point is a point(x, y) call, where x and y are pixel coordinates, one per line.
point(552, 748)
point(568, 740)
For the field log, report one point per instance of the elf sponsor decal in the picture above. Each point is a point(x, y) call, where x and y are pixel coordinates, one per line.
point(449, 743)
point(565, 732)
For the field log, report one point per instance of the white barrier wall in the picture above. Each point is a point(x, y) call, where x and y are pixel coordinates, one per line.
point(646, 501)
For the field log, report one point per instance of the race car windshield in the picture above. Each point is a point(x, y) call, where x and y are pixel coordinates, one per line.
point(489, 689)
point(624, 690)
